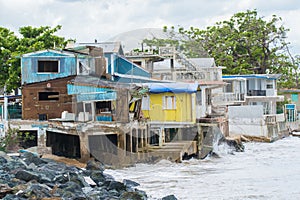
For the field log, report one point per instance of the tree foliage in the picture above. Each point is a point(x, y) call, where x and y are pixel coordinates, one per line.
point(12, 47)
point(190, 47)
point(244, 44)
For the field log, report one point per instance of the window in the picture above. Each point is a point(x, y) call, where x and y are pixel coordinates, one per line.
point(229, 87)
point(139, 63)
point(103, 106)
point(169, 102)
point(294, 98)
point(48, 66)
point(269, 84)
point(48, 96)
point(145, 103)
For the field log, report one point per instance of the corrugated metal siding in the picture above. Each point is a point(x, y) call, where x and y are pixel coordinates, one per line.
point(87, 93)
point(126, 67)
point(29, 67)
point(123, 66)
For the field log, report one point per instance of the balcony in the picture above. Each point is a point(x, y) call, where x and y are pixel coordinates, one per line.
point(202, 74)
point(227, 98)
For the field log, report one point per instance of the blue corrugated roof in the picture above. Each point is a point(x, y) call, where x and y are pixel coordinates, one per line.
point(172, 87)
point(262, 76)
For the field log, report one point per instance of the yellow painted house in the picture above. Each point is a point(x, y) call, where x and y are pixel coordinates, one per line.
point(170, 102)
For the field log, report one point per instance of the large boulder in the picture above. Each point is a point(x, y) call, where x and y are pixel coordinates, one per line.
point(169, 197)
point(94, 165)
point(71, 190)
point(37, 191)
point(27, 175)
point(98, 177)
point(130, 183)
point(118, 186)
point(132, 196)
point(4, 190)
point(29, 157)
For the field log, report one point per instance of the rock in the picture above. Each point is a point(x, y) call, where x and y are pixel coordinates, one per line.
point(4, 190)
point(71, 190)
point(61, 178)
point(115, 185)
point(130, 183)
point(29, 157)
point(2, 160)
point(94, 165)
point(27, 175)
point(5, 156)
point(30, 177)
point(13, 197)
point(32, 166)
point(97, 177)
point(114, 193)
point(132, 196)
point(236, 143)
point(14, 165)
point(100, 193)
point(169, 197)
point(37, 191)
point(108, 177)
point(78, 179)
point(53, 166)
point(89, 181)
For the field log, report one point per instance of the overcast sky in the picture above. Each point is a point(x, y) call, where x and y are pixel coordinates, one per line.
point(86, 20)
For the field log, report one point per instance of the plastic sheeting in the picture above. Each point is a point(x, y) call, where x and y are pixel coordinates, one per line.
point(172, 87)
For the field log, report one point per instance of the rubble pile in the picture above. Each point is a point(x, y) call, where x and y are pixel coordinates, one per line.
point(30, 177)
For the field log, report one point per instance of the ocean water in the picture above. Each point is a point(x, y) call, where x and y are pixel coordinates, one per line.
point(263, 171)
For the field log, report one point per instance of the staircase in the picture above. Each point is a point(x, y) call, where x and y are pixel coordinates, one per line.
point(174, 151)
point(182, 59)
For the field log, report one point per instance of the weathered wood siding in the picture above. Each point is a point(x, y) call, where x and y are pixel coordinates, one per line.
point(32, 107)
point(122, 110)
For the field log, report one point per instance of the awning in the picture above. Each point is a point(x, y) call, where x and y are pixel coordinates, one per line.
point(88, 93)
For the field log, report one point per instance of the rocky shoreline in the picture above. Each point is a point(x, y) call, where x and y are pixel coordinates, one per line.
point(28, 176)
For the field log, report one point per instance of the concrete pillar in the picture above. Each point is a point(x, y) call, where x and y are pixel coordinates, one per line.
point(41, 137)
point(84, 147)
point(125, 146)
point(137, 140)
point(93, 107)
point(161, 136)
point(200, 138)
point(179, 134)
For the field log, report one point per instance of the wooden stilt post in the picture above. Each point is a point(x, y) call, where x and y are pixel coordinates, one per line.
point(131, 140)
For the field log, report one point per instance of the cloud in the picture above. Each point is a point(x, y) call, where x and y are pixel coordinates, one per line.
point(86, 20)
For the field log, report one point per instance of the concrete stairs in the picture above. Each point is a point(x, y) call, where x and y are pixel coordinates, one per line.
point(173, 151)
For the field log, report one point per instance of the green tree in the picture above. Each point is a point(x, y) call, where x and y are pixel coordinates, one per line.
point(190, 47)
point(11, 48)
point(8, 45)
point(246, 43)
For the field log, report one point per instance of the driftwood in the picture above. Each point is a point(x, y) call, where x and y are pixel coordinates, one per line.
point(247, 138)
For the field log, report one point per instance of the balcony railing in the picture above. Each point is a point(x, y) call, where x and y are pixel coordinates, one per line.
point(227, 98)
point(203, 74)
